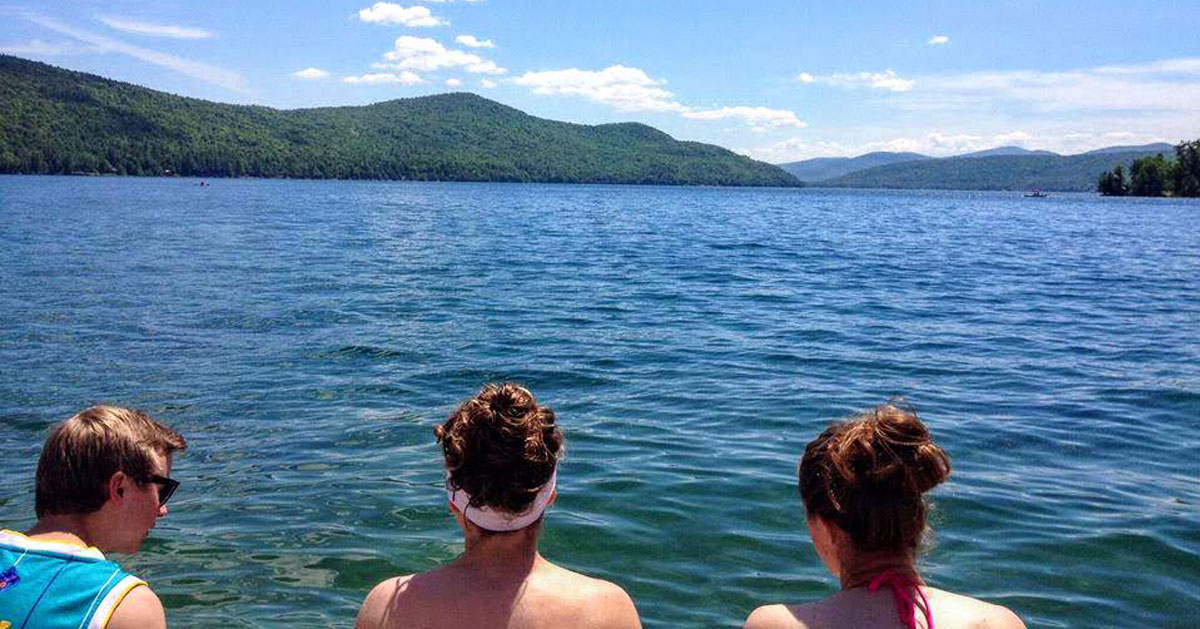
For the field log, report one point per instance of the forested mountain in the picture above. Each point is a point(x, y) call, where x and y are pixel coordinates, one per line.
point(58, 121)
point(1157, 147)
point(829, 167)
point(1001, 172)
point(1006, 150)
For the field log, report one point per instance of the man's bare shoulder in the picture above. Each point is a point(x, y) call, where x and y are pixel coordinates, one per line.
point(381, 603)
point(599, 603)
point(140, 609)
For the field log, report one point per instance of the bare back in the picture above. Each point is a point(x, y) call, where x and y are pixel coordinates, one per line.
point(860, 607)
point(456, 595)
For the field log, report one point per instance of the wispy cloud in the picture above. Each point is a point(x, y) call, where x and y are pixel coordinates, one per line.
point(311, 74)
point(422, 54)
point(227, 79)
point(1166, 85)
point(39, 48)
point(389, 13)
point(488, 83)
point(384, 78)
point(156, 30)
point(886, 80)
point(470, 41)
point(938, 40)
point(1165, 66)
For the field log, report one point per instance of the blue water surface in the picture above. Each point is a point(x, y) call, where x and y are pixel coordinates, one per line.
point(306, 337)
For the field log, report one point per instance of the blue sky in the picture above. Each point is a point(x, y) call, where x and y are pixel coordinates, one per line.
point(776, 80)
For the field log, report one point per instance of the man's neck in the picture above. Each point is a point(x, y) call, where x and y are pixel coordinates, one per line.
point(515, 553)
point(63, 528)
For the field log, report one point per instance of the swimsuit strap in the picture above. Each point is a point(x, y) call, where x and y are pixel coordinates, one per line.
point(905, 605)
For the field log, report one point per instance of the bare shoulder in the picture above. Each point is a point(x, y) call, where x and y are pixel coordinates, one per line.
point(140, 609)
point(602, 603)
point(958, 610)
point(381, 602)
point(776, 617)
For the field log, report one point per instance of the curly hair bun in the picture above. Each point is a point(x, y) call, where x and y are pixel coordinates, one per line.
point(501, 446)
point(868, 476)
point(891, 448)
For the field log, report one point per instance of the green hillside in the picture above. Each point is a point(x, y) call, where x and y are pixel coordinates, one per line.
point(56, 121)
point(1002, 172)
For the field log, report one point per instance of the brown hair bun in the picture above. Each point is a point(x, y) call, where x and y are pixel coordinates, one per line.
point(501, 447)
point(868, 475)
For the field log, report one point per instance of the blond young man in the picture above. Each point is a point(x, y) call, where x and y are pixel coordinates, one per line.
point(103, 480)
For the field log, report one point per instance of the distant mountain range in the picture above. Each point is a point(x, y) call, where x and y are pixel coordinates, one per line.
point(822, 168)
point(1002, 168)
point(56, 121)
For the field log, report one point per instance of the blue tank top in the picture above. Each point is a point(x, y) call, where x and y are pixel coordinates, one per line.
point(58, 585)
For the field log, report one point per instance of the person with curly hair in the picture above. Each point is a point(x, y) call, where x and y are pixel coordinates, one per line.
point(501, 450)
point(863, 483)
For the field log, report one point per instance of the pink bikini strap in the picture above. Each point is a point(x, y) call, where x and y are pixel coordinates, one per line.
point(905, 605)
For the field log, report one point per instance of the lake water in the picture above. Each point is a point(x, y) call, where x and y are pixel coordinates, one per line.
point(306, 337)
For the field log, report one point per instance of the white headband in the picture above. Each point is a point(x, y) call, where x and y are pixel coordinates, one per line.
point(498, 519)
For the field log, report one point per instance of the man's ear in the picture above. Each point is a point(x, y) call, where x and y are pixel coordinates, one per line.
point(116, 485)
point(553, 497)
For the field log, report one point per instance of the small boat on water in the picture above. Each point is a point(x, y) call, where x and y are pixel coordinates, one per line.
point(1036, 193)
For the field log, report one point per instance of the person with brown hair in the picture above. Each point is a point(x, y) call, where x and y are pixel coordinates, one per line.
point(501, 450)
point(103, 480)
point(863, 483)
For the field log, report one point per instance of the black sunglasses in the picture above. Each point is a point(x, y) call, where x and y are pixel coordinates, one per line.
point(168, 487)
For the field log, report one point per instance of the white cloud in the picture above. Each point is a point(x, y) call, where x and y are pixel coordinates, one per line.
point(453, 83)
point(632, 89)
point(936, 144)
point(383, 78)
point(760, 118)
point(488, 83)
point(470, 41)
point(39, 48)
point(1065, 140)
point(627, 89)
point(886, 80)
point(938, 40)
point(932, 144)
point(389, 13)
point(211, 74)
point(310, 74)
point(795, 149)
point(422, 54)
point(157, 30)
point(1013, 138)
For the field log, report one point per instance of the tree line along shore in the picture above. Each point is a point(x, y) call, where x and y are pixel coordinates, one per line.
point(1157, 176)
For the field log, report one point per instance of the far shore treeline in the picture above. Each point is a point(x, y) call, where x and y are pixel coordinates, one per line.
point(1157, 176)
point(55, 121)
